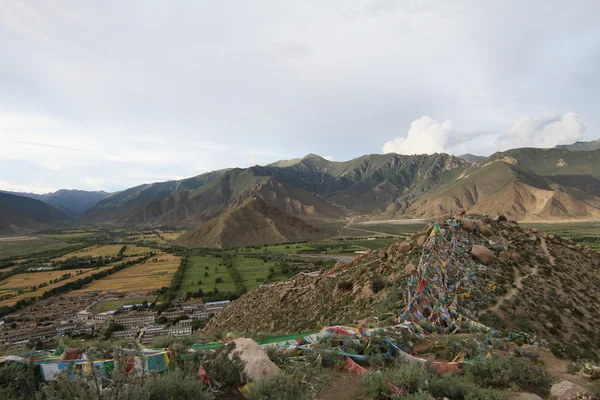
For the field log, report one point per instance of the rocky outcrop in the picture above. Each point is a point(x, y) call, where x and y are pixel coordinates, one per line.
point(482, 254)
point(566, 390)
point(256, 362)
point(485, 229)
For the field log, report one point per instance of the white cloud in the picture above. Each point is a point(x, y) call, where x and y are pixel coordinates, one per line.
point(16, 187)
point(425, 136)
point(328, 158)
point(529, 131)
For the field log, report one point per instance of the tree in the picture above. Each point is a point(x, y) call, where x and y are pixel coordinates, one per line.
point(206, 274)
point(219, 280)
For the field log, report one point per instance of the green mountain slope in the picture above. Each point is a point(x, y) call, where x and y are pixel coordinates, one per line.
point(581, 146)
point(20, 214)
point(119, 206)
point(307, 188)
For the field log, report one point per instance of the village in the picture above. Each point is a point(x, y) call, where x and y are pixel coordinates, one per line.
point(45, 322)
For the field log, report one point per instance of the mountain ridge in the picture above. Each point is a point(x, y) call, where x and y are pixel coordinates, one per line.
point(19, 214)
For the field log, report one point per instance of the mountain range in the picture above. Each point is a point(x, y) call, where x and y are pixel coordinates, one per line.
point(258, 204)
point(20, 214)
point(74, 203)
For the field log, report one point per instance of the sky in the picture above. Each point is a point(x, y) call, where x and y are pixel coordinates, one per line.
point(106, 95)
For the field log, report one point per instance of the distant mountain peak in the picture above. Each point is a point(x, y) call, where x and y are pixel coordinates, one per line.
point(581, 146)
point(312, 156)
point(471, 157)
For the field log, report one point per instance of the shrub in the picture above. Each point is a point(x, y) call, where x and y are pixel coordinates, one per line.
point(278, 387)
point(226, 367)
point(511, 371)
point(456, 388)
point(176, 386)
point(411, 377)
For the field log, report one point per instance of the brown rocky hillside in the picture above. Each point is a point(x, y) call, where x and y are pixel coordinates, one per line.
point(528, 282)
point(255, 222)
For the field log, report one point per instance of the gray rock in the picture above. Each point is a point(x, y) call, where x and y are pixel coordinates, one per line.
point(566, 390)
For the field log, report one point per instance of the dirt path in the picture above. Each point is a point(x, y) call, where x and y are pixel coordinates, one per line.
point(547, 253)
point(517, 286)
point(345, 385)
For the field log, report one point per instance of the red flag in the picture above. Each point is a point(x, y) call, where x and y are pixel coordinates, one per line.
point(203, 375)
point(395, 388)
point(421, 286)
point(354, 367)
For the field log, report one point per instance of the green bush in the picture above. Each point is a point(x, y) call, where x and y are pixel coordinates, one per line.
point(226, 367)
point(511, 372)
point(411, 377)
point(456, 388)
point(596, 390)
point(278, 387)
point(176, 386)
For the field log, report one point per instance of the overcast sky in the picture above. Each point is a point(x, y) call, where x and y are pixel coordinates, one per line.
point(111, 94)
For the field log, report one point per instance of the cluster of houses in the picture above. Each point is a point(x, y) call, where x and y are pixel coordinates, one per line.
point(47, 320)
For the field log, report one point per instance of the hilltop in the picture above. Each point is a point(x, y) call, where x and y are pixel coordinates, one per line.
point(253, 223)
point(513, 280)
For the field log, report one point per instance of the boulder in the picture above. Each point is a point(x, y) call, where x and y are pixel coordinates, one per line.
point(485, 229)
point(421, 240)
point(566, 390)
point(404, 247)
point(527, 351)
point(283, 295)
point(257, 362)
point(367, 291)
point(410, 269)
point(482, 254)
point(382, 254)
point(392, 250)
point(467, 224)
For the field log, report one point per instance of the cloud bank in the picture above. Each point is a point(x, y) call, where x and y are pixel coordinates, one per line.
point(529, 131)
point(428, 136)
point(425, 136)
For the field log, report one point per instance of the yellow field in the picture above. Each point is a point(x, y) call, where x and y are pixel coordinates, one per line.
point(39, 292)
point(172, 235)
point(131, 250)
point(94, 251)
point(32, 279)
point(139, 278)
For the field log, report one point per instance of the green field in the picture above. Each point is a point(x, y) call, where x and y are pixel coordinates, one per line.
point(325, 247)
point(70, 235)
point(255, 271)
point(587, 233)
point(196, 270)
point(118, 304)
point(11, 247)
